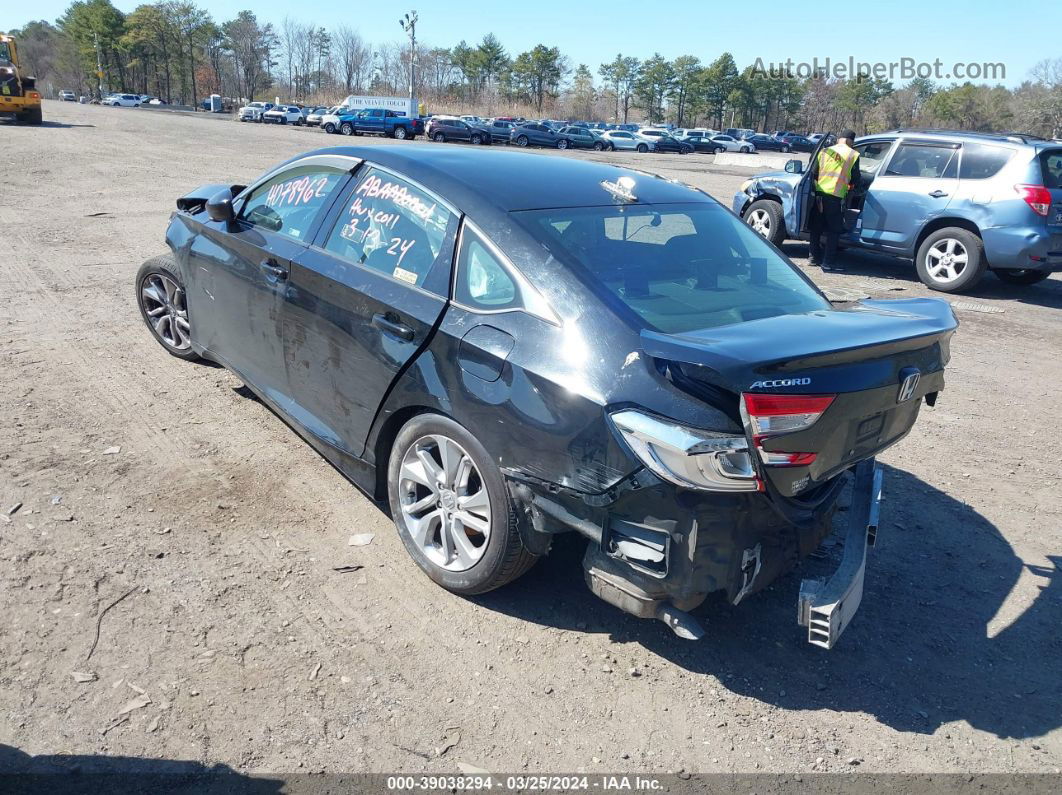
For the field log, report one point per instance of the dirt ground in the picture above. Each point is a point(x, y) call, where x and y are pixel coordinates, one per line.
point(165, 489)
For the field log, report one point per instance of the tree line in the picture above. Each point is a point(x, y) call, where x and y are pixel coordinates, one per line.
point(176, 50)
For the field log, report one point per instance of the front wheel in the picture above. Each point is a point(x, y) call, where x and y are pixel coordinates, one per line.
point(163, 306)
point(745, 150)
point(765, 218)
point(476, 140)
point(329, 128)
point(785, 150)
point(401, 134)
point(598, 146)
point(522, 141)
point(453, 512)
point(1022, 277)
point(951, 259)
point(346, 128)
point(643, 148)
point(718, 150)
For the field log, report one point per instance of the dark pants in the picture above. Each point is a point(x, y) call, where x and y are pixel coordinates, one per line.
point(827, 218)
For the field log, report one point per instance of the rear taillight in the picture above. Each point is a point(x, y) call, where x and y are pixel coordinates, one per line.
point(768, 416)
point(1036, 196)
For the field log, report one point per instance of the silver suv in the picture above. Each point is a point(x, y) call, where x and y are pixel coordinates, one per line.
point(958, 203)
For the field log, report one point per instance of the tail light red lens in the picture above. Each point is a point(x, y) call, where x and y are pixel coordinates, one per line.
point(774, 415)
point(1036, 196)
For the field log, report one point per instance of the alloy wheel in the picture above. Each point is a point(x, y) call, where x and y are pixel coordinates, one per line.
point(400, 133)
point(946, 260)
point(444, 503)
point(760, 221)
point(163, 301)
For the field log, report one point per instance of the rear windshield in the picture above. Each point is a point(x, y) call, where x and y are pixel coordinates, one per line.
point(674, 268)
point(1051, 166)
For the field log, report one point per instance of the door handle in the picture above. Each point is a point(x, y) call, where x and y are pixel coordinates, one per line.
point(938, 193)
point(271, 267)
point(394, 327)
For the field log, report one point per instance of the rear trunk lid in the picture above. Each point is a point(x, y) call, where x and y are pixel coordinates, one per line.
point(877, 359)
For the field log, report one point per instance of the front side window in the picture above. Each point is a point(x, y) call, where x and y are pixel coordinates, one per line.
point(923, 160)
point(289, 202)
point(872, 155)
point(391, 226)
point(674, 268)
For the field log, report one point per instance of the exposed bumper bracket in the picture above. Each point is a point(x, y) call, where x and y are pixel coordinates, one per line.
point(826, 607)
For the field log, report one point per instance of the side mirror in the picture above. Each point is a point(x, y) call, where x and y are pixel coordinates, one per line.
point(794, 167)
point(219, 208)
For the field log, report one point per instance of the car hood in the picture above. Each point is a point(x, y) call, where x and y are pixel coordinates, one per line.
point(776, 178)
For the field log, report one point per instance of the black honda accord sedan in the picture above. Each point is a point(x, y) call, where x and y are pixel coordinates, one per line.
point(506, 346)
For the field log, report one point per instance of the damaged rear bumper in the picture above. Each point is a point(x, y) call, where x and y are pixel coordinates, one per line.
point(657, 551)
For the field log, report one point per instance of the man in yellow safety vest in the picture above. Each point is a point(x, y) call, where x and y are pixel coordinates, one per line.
point(834, 171)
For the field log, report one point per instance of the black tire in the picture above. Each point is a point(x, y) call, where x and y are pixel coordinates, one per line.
point(439, 138)
point(163, 265)
point(329, 128)
point(765, 217)
point(32, 116)
point(642, 148)
point(972, 269)
point(476, 140)
point(400, 133)
point(598, 146)
point(1021, 278)
point(522, 141)
point(505, 557)
point(719, 150)
point(745, 150)
point(346, 128)
point(563, 143)
point(611, 147)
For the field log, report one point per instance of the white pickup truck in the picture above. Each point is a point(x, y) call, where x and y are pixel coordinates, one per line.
point(253, 111)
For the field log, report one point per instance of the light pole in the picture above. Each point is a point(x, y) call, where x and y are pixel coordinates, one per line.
point(409, 24)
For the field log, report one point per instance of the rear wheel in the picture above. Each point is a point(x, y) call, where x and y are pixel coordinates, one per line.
point(31, 116)
point(400, 133)
point(161, 297)
point(563, 143)
point(1021, 277)
point(951, 259)
point(451, 507)
point(765, 218)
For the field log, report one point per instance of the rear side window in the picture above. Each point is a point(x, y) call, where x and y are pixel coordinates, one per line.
point(981, 162)
point(674, 268)
point(483, 282)
point(921, 160)
point(288, 203)
point(391, 226)
point(1051, 166)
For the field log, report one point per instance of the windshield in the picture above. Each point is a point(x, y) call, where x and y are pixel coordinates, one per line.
point(674, 268)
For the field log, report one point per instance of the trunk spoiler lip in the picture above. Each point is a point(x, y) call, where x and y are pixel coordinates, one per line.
point(740, 347)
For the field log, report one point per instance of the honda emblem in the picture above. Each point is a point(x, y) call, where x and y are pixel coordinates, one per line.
point(908, 385)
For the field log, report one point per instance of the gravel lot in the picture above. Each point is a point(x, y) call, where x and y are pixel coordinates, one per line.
point(235, 642)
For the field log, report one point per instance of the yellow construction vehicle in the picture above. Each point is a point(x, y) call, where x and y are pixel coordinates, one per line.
point(19, 96)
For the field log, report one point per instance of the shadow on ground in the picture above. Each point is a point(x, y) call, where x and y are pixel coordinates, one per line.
point(89, 774)
point(917, 655)
point(857, 263)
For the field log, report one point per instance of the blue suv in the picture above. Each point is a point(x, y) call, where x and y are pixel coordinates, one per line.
point(958, 203)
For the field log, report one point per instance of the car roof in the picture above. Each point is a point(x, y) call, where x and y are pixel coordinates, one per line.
point(969, 135)
point(474, 179)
